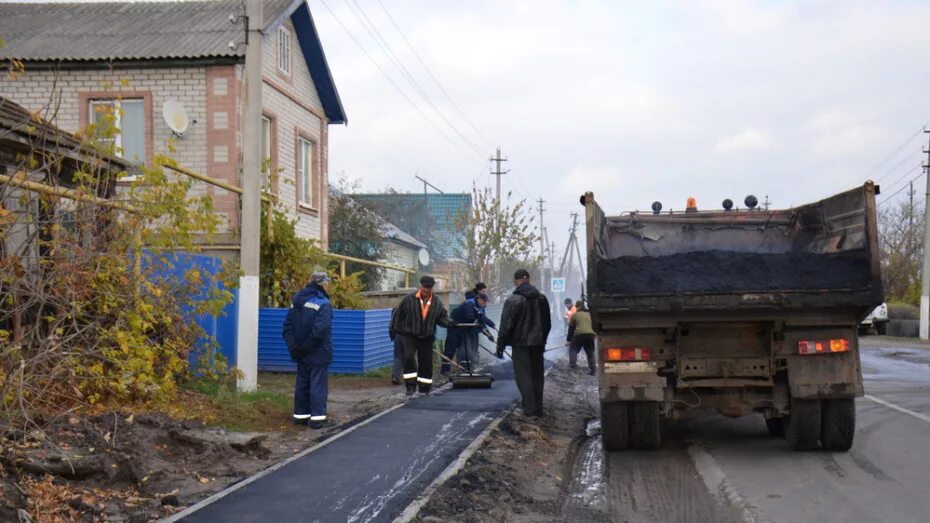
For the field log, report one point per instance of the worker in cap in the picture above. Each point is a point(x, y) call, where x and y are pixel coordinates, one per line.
point(308, 333)
point(569, 312)
point(463, 341)
point(525, 325)
point(414, 321)
point(581, 336)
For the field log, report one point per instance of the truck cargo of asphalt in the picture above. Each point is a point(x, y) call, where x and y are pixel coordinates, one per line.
point(710, 468)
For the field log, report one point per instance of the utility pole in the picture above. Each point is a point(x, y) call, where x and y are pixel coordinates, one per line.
point(426, 215)
point(925, 273)
point(250, 218)
point(498, 172)
point(542, 240)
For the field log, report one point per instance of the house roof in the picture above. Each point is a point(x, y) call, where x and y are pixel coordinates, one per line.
point(393, 232)
point(152, 31)
point(436, 225)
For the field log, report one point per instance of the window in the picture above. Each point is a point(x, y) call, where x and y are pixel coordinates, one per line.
point(128, 118)
point(267, 164)
point(305, 173)
point(284, 50)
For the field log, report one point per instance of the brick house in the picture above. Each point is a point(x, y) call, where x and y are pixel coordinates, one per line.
point(82, 59)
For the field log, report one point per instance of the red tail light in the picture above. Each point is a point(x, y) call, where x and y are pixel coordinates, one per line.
point(627, 354)
point(823, 346)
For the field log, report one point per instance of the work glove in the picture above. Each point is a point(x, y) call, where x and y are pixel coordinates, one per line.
point(500, 352)
point(391, 335)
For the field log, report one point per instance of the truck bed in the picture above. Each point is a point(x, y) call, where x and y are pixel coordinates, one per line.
point(820, 256)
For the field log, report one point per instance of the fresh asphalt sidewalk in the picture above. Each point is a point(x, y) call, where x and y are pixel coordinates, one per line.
point(371, 472)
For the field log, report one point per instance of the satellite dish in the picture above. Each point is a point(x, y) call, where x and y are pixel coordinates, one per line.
point(423, 256)
point(175, 117)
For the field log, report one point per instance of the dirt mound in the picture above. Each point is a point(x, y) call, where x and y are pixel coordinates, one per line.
point(722, 271)
point(522, 471)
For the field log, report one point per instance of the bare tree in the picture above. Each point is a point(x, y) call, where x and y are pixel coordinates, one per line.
point(901, 228)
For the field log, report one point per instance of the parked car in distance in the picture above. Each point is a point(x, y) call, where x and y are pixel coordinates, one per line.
point(878, 319)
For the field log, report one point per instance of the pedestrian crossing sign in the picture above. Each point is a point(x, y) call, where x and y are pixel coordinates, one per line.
point(558, 284)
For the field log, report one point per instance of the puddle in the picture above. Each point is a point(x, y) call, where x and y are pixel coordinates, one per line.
point(588, 491)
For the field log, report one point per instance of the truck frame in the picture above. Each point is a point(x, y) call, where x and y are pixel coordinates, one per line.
point(789, 352)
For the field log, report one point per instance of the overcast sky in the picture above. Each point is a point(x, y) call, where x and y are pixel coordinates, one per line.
point(636, 101)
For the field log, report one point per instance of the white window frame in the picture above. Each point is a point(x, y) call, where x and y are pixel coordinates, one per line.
point(305, 172)
point(117, 104)
point(284, 50)
point(269, 138)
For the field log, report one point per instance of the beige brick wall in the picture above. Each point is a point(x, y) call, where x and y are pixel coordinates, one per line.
point(212, 97)
point(40, 88)
point(292, 101)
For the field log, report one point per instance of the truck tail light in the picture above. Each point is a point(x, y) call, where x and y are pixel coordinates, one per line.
point(823, 346)
point(627, 354)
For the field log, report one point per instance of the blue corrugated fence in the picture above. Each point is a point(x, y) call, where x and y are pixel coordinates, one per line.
point(360, 341)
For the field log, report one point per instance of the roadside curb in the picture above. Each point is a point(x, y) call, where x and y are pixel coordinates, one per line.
point(414, 507)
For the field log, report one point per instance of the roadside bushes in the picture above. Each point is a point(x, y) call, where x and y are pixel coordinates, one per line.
point(89, 320)
point(903, 311)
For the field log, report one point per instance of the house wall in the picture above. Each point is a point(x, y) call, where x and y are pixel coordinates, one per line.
point(62, 96)
point(212, 97)
point(397, 254)
point(292, 102)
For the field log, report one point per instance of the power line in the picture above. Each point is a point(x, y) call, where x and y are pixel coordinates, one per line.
point(905, 186)
point(908, 173)
point(431, 75)
point(379, 39)
point(392, 82)
point(897, 166)
point(897, 149)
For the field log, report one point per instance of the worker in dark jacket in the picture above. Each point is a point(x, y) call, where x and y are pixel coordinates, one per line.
point(463, 341)
point(525, 326)
point(415, 321)
point(397, 371)
point(308, 333)
point(581, 336)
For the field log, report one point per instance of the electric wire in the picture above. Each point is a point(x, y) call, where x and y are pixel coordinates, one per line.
point(379, 39)
point(897, 149)
point(906, 174)
point(445, 93)
point(393, 83)
point(892, 195)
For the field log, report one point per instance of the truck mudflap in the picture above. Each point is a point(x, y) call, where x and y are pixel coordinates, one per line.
point(825, 376)
point(631, 381)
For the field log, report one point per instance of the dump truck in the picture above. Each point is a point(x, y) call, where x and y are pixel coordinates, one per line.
point(742, 311)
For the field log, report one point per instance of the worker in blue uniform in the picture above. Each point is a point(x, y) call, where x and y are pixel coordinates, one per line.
point(308, 333)
point(463, 341)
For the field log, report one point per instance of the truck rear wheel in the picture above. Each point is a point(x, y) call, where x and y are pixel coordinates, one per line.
point(803, 425)
point(881, 328)
point(776, 426)
point(645, 428)
point(839, 424)
point(615, 425)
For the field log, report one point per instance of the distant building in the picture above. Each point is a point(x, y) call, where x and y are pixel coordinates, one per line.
point(83, 60)
point(402, 250)
point(435, 219)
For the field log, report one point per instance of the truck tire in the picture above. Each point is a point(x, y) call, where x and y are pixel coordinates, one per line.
point(803, 425)
point(839, 424)
point(615, 425)
point(645, 426)
point(881, 328)
point(776, 426)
